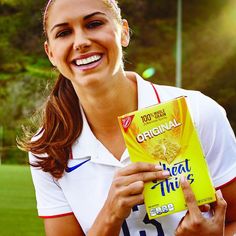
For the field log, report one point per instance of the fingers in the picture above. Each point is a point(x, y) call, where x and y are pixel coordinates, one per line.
point(205, 208)
point(220, 206)
point(143, 176)
point(134, 183)
point(189, 197)
point(128, 185)
point(194, 224)
point(134, 188)
point(140, 172)
point(129, 202)
point(138, 167)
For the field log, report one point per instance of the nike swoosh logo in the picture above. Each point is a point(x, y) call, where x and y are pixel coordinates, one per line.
point(70, 169)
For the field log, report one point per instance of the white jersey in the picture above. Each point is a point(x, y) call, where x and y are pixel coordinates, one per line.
point(83, 189)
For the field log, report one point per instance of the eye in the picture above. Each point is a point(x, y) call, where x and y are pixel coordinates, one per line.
point(63, 33)
point(94, 24)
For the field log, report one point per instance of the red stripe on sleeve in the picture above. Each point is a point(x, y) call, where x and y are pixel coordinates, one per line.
point(56, 216)
point(222, 186)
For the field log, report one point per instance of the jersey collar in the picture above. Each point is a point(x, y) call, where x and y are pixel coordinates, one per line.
point(88, 146)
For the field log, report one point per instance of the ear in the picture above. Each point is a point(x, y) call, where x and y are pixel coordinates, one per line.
point(125, 36)
point(49, 53)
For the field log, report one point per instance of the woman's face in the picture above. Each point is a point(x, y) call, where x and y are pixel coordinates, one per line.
point(85, 40)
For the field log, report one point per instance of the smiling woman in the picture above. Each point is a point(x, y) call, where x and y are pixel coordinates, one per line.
point(80, 31)
point(84, 182)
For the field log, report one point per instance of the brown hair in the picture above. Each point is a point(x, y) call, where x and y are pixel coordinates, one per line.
point(61, 126)
point(60, 120)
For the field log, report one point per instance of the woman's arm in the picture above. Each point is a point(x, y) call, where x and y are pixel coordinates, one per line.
point(63, 226)
point(125, 192)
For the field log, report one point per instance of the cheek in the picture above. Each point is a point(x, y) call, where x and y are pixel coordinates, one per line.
point(59, 52)
point(110, 36)
point(113, 41)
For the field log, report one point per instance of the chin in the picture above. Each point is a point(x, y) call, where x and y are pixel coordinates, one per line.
point(88, 81)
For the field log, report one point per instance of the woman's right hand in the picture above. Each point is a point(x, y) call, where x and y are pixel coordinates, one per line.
point(125, 192)
point(127, 188)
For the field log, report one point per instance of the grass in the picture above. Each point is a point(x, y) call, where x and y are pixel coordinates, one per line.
point(18, 215)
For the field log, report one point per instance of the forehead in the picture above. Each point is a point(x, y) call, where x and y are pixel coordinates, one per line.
point(64, 10)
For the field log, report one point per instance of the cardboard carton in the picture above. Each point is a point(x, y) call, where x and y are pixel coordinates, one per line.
point(164, 134)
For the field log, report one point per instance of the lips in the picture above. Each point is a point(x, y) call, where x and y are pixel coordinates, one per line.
point(88, 61)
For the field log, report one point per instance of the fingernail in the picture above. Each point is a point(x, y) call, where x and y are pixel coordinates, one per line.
point(183, 179)
point(219, 193)
point(166, 173)
point(158, 167)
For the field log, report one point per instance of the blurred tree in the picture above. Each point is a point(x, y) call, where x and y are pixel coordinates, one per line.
point(225, 82)
point(209, 50)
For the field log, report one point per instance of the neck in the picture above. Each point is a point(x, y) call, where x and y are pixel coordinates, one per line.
point(104, 104)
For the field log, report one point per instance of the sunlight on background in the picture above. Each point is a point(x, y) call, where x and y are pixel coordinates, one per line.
point(224, 35)
point(228, 21)
point(210, 45)
point(148, 73)
point(214, 43)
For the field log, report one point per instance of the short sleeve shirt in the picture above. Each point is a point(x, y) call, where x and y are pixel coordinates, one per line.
point(84, 187)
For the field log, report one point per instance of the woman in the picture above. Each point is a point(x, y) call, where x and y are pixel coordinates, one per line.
point(85, 184)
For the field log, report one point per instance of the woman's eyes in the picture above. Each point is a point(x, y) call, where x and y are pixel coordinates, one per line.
point(94, 24)
point(90, 25)
point(63, 33)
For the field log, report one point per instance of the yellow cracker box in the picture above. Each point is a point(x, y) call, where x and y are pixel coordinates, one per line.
point(164, 134)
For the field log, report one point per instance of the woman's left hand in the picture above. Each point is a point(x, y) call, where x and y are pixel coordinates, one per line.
point(194, 223)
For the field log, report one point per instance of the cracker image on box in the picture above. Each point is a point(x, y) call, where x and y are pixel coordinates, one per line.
point(164, 134)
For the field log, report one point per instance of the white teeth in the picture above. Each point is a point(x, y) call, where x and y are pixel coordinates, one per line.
point(88, 60)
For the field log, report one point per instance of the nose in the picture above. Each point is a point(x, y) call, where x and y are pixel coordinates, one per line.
point(81, 41)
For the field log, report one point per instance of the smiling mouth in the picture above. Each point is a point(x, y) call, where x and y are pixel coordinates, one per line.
point(87, 61)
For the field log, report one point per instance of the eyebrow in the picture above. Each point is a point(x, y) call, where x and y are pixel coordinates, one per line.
point(93, 14)
point(84, 18)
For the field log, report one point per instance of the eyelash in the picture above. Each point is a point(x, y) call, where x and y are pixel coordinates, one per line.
point(63, 33)
point(94, 24)
point(90, 25)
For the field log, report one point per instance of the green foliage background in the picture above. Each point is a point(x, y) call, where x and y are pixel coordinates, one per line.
point(209, 50)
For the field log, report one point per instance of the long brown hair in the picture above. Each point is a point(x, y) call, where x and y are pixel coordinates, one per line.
point(60, 119)
point(61, 125)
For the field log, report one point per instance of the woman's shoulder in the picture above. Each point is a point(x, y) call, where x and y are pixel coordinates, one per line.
point(193, 97)
point(203, 109)
point(33, 157)
point(198, 103)
point(171, 92)
point(37, 135)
